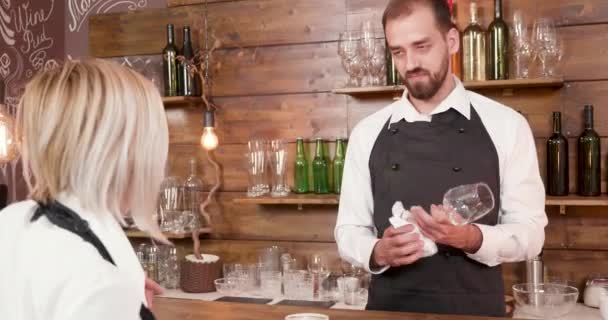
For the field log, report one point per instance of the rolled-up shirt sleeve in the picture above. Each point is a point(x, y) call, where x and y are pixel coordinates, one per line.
point(355, 231)
point(520, 233)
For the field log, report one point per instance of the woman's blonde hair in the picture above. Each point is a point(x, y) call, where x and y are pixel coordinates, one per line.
point(96, 130)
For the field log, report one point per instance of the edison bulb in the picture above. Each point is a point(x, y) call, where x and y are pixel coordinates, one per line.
point(8, 145)
point(209, 139)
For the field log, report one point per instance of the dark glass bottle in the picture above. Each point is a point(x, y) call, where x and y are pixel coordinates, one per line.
point(589, 158)
point(184, 76)
point(301, 169)
point(392, 74)
point(338, 165)
point(320, 169)
point(170, 63)
point(498, 45)
point(557, 160)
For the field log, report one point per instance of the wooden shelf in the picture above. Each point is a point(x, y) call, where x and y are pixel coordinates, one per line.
point(180, 101)
point(575, 201)
point(299, 199)
point(132, 233)
point(472, 85)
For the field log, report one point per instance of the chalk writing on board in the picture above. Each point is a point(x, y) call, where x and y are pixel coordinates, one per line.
point(79, 10)
point(8, 34)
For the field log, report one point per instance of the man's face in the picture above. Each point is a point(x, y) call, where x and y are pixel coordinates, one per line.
point(421, 51)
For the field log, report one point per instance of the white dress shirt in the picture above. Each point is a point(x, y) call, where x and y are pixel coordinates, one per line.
point(49, 273)
point(519, 234)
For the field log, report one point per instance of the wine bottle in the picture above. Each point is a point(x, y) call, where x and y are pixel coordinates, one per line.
point(474, 48)
point(301, 169)
point(320, 169)
point(589, 158)
point(170, 63)
point(392, 74)
point(498, 44)
point(338, 165)
point(557, 160)
point(184, 75)
point(456, 58)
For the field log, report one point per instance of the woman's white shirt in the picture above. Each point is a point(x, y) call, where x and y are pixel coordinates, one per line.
point(50, 273)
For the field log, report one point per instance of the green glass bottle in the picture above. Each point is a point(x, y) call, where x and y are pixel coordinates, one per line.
point(338, 165)
point(589, 158)
point(301, 169)
point(170, 63)
point(392, 74)
point(320, 170)
point(498, 45)
point(185, 78)
point(557, 160)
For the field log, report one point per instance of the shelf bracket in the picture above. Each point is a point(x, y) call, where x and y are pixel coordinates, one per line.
point(562, 210)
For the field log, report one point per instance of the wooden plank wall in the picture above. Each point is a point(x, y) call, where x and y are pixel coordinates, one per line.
point(273, 75)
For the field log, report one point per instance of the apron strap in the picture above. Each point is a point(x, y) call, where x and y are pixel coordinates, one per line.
point(64, 218)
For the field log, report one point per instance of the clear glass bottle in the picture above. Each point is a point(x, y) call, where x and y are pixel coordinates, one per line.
point(152, 263)
point(193, 197)
point(172, 269)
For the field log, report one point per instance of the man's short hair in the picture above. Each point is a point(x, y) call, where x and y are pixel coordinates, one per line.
point(403, 8)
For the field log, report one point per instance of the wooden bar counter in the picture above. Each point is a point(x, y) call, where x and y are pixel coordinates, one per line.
point(179, 309)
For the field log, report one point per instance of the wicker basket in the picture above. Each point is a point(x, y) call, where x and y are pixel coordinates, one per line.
point(198, 276)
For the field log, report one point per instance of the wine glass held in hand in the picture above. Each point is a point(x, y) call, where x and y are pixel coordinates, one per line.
point(468, 203)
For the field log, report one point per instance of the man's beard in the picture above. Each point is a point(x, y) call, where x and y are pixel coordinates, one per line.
point(425, 90)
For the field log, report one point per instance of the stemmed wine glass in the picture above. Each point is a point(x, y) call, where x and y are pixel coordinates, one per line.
point(468, 203)
point(378, 64)
point(367, 50)
point(547, 45)
point(521, 47)
point(348, 49)
point(319, 267)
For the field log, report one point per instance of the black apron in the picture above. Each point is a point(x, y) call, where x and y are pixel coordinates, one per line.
point(416, 163)
point(63, 217)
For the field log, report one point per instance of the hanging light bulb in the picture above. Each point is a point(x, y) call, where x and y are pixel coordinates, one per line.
point(8, 145)
point(209, 139)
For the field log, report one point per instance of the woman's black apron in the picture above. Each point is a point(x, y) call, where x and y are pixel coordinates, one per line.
point(416, 163)
point(63, 217)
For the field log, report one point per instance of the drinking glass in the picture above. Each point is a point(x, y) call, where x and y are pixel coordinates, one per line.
point(521, 47)
point(170, 203)
point(378, 64)
point(232, 270)
point(271, 283)
point(348, 47)
point(319, 268)
point(298, 285)
point(351, 286)
point(269, 258)
point(278, 166)
point(256, 162)
point(367, 50)
point(468, 203)
point(545, 43)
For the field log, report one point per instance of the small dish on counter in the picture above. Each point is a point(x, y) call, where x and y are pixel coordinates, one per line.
point(307, 316)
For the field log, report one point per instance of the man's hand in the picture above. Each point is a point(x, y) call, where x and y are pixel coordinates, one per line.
point(398, 247)
point(438, 228)
point(152, 289)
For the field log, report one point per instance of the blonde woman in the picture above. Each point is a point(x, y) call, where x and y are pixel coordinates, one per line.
point(94, 142)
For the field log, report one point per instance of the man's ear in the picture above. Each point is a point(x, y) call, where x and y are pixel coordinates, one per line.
point(453, 40)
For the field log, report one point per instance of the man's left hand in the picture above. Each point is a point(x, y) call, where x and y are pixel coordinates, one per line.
point(438, 228)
